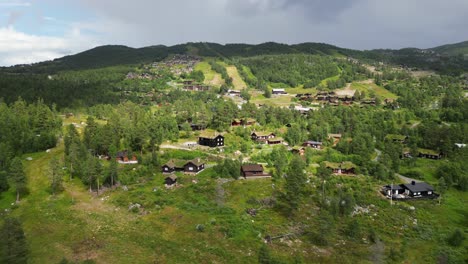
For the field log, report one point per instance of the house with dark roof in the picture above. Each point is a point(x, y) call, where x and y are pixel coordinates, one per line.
point(170, 180)
point(173, 165)
point(409, 190)
point(418, 189)
point(188, 167)
point(211, 140)
point(194, 166)
point(253, 171)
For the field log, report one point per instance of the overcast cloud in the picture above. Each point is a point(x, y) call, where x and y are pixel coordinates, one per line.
point(71, 26)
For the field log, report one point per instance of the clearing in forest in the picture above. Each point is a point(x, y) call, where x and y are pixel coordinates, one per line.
point(237, 81)
point(369, 86)
point(211, 77)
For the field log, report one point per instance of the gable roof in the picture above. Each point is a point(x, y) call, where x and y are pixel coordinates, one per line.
point(175, 163)
point(173, 177)
point(346, 165)
point(210, 134)
point(252, 167)
point(263, 134)
point(197, 162)
point(313, 142)
point(418, 187)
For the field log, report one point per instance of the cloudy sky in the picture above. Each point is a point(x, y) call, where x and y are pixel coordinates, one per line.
point(37, 30)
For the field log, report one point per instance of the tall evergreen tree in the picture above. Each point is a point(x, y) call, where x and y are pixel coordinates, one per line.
point(295, 183)
point(13, 246)
point(55, 175)
point(18, 177)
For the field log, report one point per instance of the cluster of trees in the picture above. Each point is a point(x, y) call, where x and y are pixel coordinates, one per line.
point(292, 70)
point(24, 128)
point(65, 89)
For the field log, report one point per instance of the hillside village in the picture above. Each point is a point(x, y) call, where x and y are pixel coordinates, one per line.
point(230, 158)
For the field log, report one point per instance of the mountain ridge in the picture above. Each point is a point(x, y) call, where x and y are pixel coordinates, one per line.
point(112, 55)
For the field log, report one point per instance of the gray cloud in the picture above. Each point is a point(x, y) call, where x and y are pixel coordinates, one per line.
point(316, 10)
point(359, 24)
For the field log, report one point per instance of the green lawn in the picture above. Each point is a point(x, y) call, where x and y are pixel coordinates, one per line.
point(211, 77)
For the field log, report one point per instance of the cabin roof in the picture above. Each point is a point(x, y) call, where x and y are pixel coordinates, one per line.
point(418, 187)
point(313, 142)
point(196, 162)
point(175, 163)
point(428, 152)
point(262, 134)
point(210, 134)
point(173, 177)
point(343, 165)
point(252, 167)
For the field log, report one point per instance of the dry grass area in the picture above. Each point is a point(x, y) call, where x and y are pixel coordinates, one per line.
point(237, 81)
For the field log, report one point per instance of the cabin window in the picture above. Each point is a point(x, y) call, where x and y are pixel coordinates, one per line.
point(165, 169)
point(190, 168)
point(429, 192)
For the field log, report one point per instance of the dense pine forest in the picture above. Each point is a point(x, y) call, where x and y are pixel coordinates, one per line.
point(85, 141)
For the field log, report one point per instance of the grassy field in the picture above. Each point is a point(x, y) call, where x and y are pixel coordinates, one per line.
point(211, 77)
point(381, 92)
point(237, 80)
point(278, 100)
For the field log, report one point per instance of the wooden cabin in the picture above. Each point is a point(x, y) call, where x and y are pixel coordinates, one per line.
point(418, 189)
point(211, 140)
point(122, 157)
point(188, 167)
point(278, 91)
point(429, 154)
point(313, 144)
point(254, 171)
point(262, 136)
point(298, 151)
point(173, 165)
point(275, 141)
point(345, 167)
point(194, 166)
point(170, 180)
point(396, 138)
point(409, 190)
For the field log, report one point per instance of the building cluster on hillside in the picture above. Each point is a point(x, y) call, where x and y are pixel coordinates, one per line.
point(406, 152)
point(190, 85)
point(326, 97)
point(178, 64)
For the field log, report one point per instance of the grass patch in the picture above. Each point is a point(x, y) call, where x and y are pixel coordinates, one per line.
point(380, 92)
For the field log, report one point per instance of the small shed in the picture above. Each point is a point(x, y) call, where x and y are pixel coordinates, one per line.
point(170, 180)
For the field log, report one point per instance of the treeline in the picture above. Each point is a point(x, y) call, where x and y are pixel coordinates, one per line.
point(67, 89)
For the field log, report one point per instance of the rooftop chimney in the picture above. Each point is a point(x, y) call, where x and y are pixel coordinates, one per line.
point(413, 183)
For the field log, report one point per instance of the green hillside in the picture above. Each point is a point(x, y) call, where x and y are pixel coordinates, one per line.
point(453, 49)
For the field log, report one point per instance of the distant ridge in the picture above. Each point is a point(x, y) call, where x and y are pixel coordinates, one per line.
point(113, 55)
